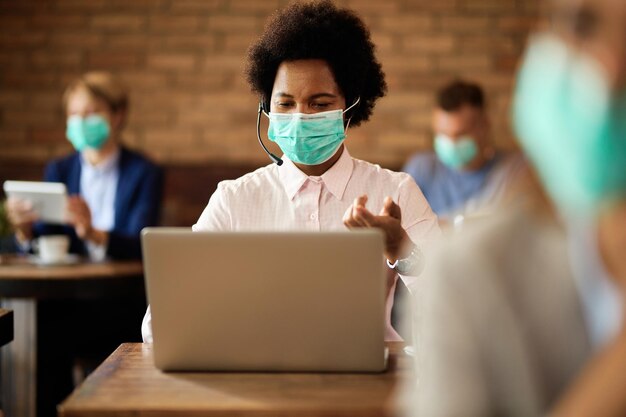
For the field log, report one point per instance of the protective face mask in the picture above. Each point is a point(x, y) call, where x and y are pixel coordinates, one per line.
point(455, 154)
point(309, 139)
point(89, 132)
point(571, 126)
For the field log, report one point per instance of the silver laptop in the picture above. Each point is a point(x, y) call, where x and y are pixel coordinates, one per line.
point(266, 301)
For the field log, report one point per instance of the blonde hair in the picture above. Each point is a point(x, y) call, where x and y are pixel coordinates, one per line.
point(100, 85)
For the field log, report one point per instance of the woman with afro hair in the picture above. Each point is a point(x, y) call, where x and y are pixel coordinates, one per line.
point(315, 74)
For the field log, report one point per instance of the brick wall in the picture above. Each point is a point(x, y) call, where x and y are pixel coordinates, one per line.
point(183, 60)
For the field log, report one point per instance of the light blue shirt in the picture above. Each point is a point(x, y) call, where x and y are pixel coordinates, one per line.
point(453, 192)
point(98, 186)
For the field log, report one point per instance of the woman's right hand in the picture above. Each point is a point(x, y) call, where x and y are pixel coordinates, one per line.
point(21, 215)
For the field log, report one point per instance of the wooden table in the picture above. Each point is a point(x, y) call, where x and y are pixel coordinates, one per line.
point(23, 285)
point(127, 383)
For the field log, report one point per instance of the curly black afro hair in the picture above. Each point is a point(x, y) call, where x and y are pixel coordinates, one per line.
point(320, 30)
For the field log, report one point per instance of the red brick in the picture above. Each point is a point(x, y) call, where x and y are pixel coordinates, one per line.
point(516, 23)
point(48, 101)
point(144, 6)
point(26, 151)
point(12, 98)
point(463, 63)
point(465, 24)
point(236, 43)
point(486, 6)
point(439, 44)
point(10, 24)
point(235, 23)
point(52, 135)
point(226, 63)
point(113, 60)
point(12, 60)
point(506, 63)
point(405, 24)
point(80, 5)
point(430, 6)
point(118, 22)
point(28, 118)
point(397, 63)
point(152, 118)
point(202, 82)
point(50, 60)
point(399, 102)
point(385, 43)
point(170, 138)
point(143, 80)
point(59, 22)
point(10, 136)
point(174, 24)
point(400, 139)
point(197, 5)
point(263, 8)
point(24, 40)
point(28, 80)
point(173, 61)
point(76, 40)
point(202, 44)
point(486, 43)
point(128, 41)
point(375, 8)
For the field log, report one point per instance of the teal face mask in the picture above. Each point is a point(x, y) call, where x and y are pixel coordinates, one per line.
point(89, 132)
point(571, 126)
point(309, 139)
point(455, 154)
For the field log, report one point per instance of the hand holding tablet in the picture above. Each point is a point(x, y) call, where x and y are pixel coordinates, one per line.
point(47, 200)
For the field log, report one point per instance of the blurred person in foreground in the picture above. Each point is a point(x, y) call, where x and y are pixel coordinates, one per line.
point(315, 72)
point(465, 175)
point(114, 192)
point(535, 294)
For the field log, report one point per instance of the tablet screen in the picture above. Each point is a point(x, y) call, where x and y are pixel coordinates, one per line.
point(49, 199)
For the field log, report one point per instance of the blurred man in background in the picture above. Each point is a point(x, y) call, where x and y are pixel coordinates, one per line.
point(464, 175)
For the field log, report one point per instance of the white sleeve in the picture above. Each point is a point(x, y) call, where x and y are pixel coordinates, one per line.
point(146, 327)
point(216, 215)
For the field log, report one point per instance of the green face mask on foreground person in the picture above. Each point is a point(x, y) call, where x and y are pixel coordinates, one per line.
point(571, 125)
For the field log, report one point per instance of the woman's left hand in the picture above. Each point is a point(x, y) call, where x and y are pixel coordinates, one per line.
point(397, 241)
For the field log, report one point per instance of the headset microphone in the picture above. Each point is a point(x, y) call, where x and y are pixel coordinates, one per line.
point(273, 157)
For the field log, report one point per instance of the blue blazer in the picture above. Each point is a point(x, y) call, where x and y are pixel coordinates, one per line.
point(137, 202)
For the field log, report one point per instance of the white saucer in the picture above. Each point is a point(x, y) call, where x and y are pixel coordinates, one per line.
point(70, 259)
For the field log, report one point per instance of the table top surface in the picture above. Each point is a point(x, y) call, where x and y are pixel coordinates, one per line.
point(127, 383)
point(22, 267)
point(21, 278)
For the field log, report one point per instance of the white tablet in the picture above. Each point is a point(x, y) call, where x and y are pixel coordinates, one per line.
point(49, 199)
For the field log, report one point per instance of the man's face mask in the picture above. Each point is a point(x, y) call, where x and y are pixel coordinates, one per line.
point(309, 139)
point(89, 132)
point(571, 125)
point(455, 154)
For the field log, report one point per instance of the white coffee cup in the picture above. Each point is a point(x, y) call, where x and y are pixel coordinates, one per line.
point(53, 248)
